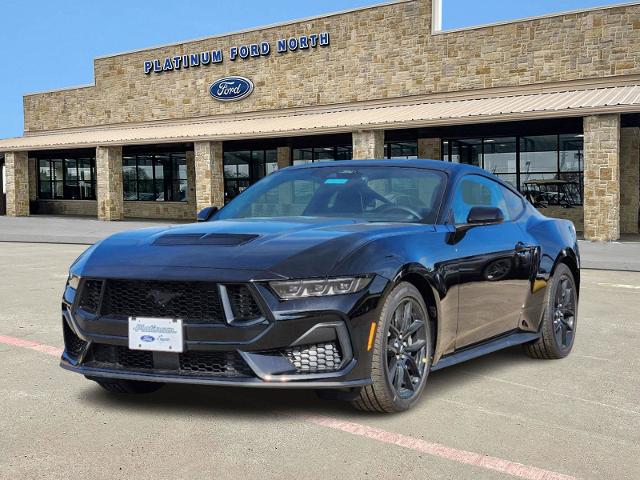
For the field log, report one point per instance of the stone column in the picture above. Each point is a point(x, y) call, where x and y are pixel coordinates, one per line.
point(368, 144)
point(109, 182)
point(629, 179)
point(16, 166)
point(33, 179)
point(284, 157)
point(209, 174)
point(430, 148)
point(602, 177)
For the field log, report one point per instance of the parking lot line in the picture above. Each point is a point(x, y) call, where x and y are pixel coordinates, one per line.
point(40, 347)
point(460, 456)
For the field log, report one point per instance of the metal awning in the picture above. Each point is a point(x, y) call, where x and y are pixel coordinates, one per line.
point(576, 102)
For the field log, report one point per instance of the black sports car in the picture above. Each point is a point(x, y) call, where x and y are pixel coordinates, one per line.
point(354, 278)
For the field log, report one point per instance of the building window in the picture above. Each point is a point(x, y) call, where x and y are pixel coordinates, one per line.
point(66, 178)
point(401, 150)
point(243, 168)
point(547, 169)
point(301, 156)
point(158, 177)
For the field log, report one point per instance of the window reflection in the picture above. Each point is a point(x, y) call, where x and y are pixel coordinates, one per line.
point(66, 178)
point(242, 168)
point(548, 169)
point(152, 177)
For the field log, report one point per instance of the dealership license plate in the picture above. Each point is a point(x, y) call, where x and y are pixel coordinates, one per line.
point(156, 334)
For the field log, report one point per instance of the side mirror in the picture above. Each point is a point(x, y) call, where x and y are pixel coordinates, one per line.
point(206, 213)
point(485, 216)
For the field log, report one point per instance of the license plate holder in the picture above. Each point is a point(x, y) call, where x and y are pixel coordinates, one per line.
point(156, 334)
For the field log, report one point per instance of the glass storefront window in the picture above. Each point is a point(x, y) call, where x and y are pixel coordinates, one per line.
point(548, 169)
point(301, 156)
point(401, 150)
point(66, 178)
point(242, 168)
point(155, 177)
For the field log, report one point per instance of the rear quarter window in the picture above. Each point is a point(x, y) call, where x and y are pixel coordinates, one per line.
point(515, 205)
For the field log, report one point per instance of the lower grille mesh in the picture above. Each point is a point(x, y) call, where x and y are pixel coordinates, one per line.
point(322, 357)
point(73, 344)
point(220, 364)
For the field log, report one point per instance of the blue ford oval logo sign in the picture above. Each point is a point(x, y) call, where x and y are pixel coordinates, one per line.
point(231, 89)
point(147, 338)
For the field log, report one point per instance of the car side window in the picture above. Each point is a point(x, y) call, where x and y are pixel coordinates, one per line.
point(477, 191)
point(514, 203)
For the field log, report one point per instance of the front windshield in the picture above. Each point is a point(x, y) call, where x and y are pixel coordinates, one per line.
point(374, 194)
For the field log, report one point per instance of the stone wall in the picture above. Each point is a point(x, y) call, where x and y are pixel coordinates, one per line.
point(368, 144)
point(109, 183)
point(209, 174)
point(67, 207)
point(629, 179)
point(575, 214)
point(602, 177)
point(160, 210)
point(430, 148)
point(375, 53)
point(17, 173)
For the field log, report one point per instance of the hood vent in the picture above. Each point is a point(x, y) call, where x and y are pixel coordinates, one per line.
point(220, 239)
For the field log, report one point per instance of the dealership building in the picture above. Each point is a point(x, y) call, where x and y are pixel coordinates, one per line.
point(550, 104)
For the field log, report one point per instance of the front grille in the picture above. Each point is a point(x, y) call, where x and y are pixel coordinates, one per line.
point(90, 298)
point(215, 364)
point(226, 364)
point(123, 357)
point(318, 358)
point(73, 344)
point(242, 302)
point(194, 302)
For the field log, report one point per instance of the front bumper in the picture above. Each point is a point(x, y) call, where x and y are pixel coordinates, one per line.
point(269, 353)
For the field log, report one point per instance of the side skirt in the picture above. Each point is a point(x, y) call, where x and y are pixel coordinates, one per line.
point(478, 350)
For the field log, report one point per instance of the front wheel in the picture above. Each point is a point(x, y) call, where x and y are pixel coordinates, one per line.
point(402, 351)
point(560, 318)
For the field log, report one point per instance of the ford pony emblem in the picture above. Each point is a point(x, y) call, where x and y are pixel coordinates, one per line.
point(230, 89)
point(162, 299)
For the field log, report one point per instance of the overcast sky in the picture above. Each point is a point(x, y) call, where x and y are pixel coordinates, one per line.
point(48, 44)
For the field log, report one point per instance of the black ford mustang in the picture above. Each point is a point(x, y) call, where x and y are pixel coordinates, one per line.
point(354, 278)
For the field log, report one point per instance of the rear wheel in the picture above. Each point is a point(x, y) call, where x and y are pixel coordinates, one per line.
point(130, 387)
point(402, 352)
point(560, 318)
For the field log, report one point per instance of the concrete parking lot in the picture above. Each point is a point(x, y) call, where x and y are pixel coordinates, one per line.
point(502, 416)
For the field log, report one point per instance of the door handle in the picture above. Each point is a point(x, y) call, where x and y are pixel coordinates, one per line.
point(522, 247)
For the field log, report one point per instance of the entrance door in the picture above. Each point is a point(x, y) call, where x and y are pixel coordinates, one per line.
point(3, 188)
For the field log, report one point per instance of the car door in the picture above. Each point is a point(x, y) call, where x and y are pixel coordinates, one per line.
point(494, 265)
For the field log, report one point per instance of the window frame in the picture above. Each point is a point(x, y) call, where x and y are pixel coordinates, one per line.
point(171, 181)
point(257, 170)
point(65, 182)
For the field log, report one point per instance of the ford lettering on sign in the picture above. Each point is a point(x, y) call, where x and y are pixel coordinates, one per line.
point(230, 89)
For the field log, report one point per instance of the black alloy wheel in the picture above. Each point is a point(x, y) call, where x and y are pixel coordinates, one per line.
point(559, 322)
point(402, 351)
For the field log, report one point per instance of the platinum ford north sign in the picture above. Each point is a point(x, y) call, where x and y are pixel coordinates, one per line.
point(243, 52)
point(230, 89)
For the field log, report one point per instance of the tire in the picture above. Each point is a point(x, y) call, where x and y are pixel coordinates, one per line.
point(557, 329)
point(383, 395)
point(128, 387)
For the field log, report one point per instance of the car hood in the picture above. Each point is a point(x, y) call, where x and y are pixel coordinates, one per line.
point(292, 247)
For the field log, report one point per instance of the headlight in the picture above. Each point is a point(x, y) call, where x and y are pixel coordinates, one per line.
point(73, 281)
point(291, 289)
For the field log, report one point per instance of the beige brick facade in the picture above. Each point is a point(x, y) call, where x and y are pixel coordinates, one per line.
point(109, 183)
point(17, 172)
point(430, 148)
point(602, 177)
point(284, 157)
point(209, 175)
point(375, 53)
point(629, 179)
point(368, 144)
